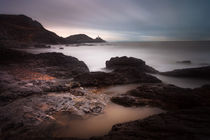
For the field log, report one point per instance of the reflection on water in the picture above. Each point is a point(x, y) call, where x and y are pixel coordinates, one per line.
point(119, 89)
point(101, 124)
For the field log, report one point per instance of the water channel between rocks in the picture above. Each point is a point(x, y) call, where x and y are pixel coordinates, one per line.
point(68, 125)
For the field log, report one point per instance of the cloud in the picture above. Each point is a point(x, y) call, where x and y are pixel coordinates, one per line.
point(180, 19)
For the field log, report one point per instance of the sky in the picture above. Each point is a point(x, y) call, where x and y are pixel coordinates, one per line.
point(119, 20)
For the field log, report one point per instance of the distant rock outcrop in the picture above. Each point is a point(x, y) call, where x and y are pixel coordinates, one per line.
point(24, 29)
point(82, 38)
point(20, 28)
point(201, 72)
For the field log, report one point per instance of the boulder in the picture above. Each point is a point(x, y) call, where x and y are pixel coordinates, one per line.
point(117, 63)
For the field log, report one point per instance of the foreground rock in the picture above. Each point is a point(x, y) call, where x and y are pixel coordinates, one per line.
point(168, 97)
point(187, 115)
point(179, 125)
point(23, 74)
point(202, 72)
point(26, 115)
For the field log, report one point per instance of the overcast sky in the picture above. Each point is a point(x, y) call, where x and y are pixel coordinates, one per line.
point(114, 20)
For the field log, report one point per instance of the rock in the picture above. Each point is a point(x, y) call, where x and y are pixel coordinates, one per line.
point(125, 71)
point(124, 62)
point(184, 62)
point(114, 78)
point(24, 29)
point(183, 124)
point(187, 116)
point(77, 92)
point(201, 72)
point(82, 38)
point(41, 46)
point(168, 97)
point(53, 64)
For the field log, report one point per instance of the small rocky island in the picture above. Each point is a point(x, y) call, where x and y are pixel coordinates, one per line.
point(34, 87)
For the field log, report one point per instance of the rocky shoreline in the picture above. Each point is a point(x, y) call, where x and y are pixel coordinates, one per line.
point(35, 87)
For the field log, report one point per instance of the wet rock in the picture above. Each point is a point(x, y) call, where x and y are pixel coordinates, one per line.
point(202, 72)
point(183, 124)
point(35, 110)
point(187, 115)
point(165, 96)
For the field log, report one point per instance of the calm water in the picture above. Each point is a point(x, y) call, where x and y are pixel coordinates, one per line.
point(163, 56)
point(101, 124)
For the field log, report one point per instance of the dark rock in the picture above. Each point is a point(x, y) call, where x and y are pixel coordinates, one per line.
point(187, 115)
point(82, 38)
point(54, 64)
point(165, 96)
point(180, 125)
point(184, 62)
point(125, 71)
point(41, 46)
point(124, 62)
point(114, 78)
point(77, 92)
point(24, 29)
point(202, 72)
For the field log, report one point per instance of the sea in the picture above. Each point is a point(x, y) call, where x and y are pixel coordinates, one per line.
point(163, 56)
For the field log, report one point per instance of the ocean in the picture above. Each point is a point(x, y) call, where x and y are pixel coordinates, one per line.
point(163, 56)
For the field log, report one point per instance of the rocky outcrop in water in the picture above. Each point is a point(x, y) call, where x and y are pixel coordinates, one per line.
point(125, 63)
point(22, 30)
point(125, 71)
point(82, 38)
point(202, 73)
